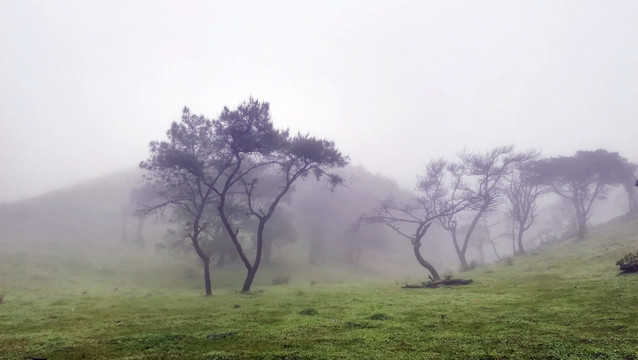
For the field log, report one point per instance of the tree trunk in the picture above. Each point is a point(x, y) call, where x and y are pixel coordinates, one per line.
point(521, 249)
point(207, 277)
point(252, 271)
point(459, 252)
point(582, 227)
point(250, 276)
point(425, 264)
point(495, 252)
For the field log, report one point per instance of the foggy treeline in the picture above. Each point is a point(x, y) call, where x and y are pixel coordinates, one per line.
point(321, 227)
point(474, 209)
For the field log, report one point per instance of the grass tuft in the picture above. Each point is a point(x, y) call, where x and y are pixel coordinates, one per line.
point(309, 311)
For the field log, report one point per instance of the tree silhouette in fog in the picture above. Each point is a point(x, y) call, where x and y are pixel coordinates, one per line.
point(584, 178)
point(238, 159)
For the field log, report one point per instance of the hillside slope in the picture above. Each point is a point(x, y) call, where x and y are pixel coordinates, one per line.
point(565, 301)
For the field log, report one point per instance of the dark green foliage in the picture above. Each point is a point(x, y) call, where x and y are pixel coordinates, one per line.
point(309, 311)
point(629, 263)
point(359, 325)
point(230, 174)
point(380, 316)
point(220, 336)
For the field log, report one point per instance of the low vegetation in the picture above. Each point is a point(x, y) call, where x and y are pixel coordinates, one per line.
point(564, 302)
point(629, 263)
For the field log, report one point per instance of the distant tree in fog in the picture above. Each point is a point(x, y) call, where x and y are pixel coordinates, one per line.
point(522, 194)
point(584, 178)
point(483, 189)
point(279, 233)
point(436, 199)
point(483, 236)
point(330, 222)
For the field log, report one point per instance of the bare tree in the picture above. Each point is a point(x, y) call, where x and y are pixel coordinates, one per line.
point(486, 173)
point(437, 198)
point(522, 194)
point(483, 236)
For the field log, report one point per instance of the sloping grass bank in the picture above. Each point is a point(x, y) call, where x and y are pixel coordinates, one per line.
point(565, 301)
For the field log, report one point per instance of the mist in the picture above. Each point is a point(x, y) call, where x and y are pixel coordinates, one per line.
point(186, 180)
point(87, 86)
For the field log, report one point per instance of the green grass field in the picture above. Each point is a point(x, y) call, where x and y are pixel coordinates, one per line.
point(565, 301)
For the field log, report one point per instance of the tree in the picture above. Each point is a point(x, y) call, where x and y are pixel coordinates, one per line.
point(178, 166)
point(583, 178)
point(238, 160)
point(522, 193)
point(437, 198)
point(280, 232)
point(486, 173)
point(250, 146)
point(138, 196)
point(482, 237)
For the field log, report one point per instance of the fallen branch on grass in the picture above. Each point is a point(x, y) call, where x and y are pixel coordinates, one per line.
point(437, 283)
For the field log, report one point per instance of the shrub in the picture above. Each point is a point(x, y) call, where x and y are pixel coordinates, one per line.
point(629, 263)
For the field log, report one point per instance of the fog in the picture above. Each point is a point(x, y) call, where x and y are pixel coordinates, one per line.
point(86, 85)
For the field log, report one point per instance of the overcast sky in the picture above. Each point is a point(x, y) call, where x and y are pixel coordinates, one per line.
point(85, 85)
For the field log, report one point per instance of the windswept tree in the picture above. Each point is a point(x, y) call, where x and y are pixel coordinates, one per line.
point(300, 156)
point(178, 167)
point(237, 163)
point(485, 174)
point(436, 198)
point(583, 178)
point(522, 194)
point(250, 148)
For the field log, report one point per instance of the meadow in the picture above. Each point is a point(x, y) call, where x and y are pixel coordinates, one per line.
point(563, 301)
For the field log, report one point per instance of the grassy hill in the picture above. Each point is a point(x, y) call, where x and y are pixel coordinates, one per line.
point(564, 301)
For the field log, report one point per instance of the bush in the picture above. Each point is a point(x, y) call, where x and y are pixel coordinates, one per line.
point(629, 263)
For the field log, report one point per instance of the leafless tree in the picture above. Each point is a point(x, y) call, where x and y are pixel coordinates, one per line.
point(522, 194)
point(485, 173)
point(436, 198)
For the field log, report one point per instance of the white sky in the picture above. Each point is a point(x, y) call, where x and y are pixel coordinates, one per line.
point(85, 85)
